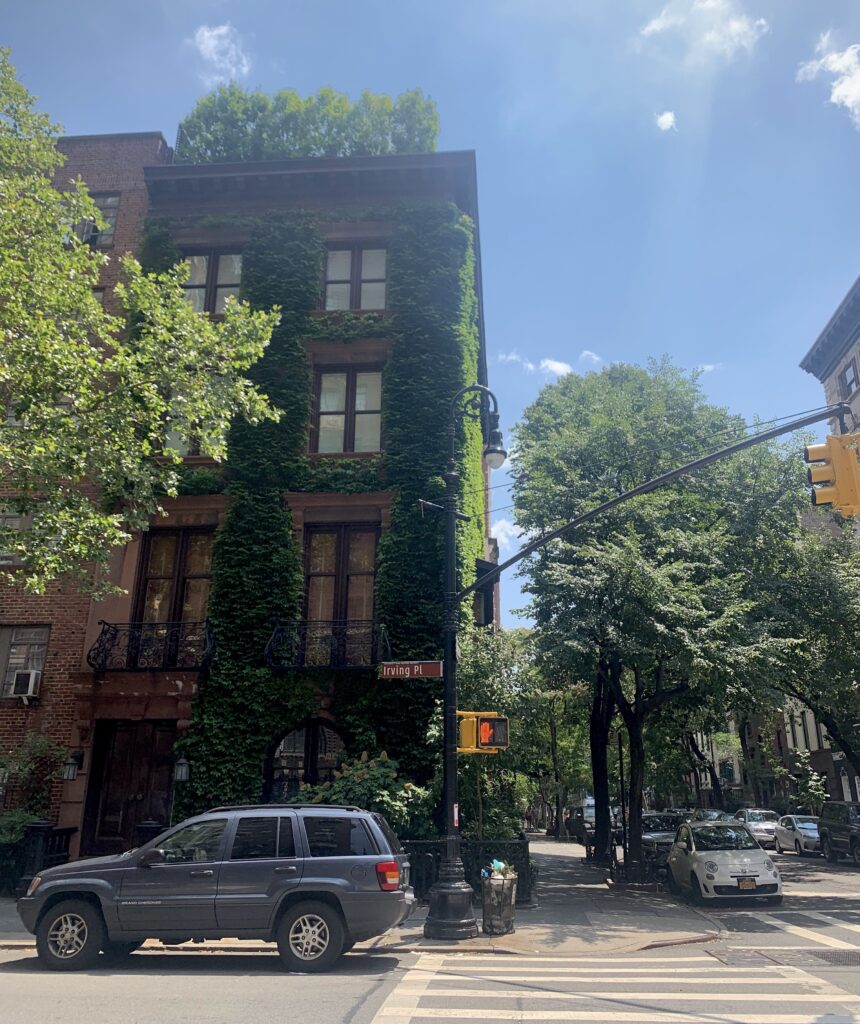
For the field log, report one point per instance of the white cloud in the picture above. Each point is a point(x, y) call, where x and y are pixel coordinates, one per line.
point(709, 367)
point(555, 367)
point(705, 29)
point(515, 357)
point(844, 66)
point(666, 121)
point(587, 356)
point(220, 47)
point(506, 533)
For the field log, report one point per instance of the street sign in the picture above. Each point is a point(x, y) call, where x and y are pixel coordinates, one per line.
point(410, 670)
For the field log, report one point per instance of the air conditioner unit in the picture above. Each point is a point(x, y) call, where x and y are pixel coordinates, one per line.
point(26, 683)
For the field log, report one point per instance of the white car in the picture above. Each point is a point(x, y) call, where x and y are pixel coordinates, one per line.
point(761, 823)
point(715, 860)
point(798, 832)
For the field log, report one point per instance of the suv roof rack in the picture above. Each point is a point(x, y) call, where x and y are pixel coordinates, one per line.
point(289, 807)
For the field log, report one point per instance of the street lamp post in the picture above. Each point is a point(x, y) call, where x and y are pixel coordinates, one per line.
point(450, 915)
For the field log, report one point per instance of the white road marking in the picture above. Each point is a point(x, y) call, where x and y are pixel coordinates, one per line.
point(645, 1017)
point(834, 921)
point(619, 998)
point(418, 977)
point(607, 973)
point(809, 934)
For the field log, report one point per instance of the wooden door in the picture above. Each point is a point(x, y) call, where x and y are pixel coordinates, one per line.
point(130, 782)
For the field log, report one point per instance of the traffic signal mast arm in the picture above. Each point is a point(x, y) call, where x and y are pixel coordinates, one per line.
point(841, 411)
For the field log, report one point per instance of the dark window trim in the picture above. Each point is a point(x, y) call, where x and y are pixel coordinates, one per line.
point(92, 234)
point(355, 278)
point(844, 390)
point(351, 371)
point(341, 569)
point(210, 288)
point(184, 532)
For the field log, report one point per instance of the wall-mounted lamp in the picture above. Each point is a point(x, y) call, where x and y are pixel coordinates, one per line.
point(73, 765)
point(181, 770)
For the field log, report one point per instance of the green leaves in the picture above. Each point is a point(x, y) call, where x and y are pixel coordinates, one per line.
point(230, 124)
point(96, 406)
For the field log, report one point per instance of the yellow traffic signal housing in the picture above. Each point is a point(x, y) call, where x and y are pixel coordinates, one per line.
point(482, 732)
point(835, 475)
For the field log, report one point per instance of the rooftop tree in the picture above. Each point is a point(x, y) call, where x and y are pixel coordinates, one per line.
point(96, 407)
point(231, 124)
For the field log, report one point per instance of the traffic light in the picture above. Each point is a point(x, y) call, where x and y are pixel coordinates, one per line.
point(835, 473)
point(482, 732)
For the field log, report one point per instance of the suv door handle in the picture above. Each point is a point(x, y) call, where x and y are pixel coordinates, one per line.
point(202, 873)
point(289, 869)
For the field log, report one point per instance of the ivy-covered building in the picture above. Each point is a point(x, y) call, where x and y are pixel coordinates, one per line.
point(253, 615)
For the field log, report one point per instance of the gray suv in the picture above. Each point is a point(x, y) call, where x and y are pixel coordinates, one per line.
point(314, 878)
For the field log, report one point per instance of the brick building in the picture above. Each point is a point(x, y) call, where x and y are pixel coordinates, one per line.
point(386, 328)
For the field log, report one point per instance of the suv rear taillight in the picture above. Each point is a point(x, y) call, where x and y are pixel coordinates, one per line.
point(388, 874)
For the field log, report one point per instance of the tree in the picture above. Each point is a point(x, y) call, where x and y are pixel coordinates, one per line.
point(650, 601)
point(95, 404)
point(231, 124)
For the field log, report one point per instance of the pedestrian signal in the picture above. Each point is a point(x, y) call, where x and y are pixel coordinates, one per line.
point(482, 732)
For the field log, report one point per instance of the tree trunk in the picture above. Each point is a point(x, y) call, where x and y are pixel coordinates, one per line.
point(716, 785)
point(752, 769)
point(556, 774)
point(602, 710)
point(635, 787)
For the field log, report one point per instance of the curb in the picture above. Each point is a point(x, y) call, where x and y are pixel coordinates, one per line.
point(702, 937)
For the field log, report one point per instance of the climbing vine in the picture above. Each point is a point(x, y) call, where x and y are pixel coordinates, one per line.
point(431, 327)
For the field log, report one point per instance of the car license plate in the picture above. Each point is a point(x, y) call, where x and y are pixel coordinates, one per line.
point(746, 883)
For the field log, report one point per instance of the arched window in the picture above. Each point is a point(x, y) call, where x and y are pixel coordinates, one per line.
point(310, 754)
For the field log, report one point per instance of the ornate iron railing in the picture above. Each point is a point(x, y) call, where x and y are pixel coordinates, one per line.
point(138, 646)
point(312, 644)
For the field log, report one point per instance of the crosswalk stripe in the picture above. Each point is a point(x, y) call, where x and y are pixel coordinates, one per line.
point(645, 1017)
point(615, 979)
point(606, 972)
point(418, 977)
point(622, 958)
point(619, 998)
point(807, 933)
point(834, 921)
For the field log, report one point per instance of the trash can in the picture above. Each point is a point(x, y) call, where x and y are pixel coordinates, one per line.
point(499, 895)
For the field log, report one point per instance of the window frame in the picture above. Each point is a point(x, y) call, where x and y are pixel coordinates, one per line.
point(844, 390)
point(356, 280)
point(179, 576)
point(210, 286)
point(341, 574)
point(7, 639)
point(95, 236)
point(352, 370)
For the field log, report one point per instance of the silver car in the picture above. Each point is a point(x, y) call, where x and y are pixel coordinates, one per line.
point(798, 832)
point(761, 823)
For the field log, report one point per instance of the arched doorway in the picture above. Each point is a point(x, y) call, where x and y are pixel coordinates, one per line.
point(307, 755)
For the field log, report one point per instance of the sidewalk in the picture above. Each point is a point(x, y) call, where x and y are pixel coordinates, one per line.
point(576, 914)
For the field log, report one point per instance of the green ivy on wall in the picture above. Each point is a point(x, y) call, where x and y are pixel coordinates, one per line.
point(244, 708)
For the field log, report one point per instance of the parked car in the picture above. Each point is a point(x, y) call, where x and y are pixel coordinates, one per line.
point(839, 828)
point(761, 823)
point(313, 878)
point(658, 834)
point(710, 814)
point(715, 860)
point(582, 824)
point(798, 832)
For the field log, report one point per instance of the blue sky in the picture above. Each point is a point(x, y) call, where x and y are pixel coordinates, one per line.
point(654, 177)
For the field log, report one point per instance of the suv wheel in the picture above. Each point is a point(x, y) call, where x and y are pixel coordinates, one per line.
point(70, 936)
point(310, 937)
point(827, 849)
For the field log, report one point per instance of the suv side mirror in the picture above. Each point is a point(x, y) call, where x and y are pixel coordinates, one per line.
point(150, 857)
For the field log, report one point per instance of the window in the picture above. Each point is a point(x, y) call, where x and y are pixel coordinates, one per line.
point(256, 839)
point(286, 840)
point(108, 207)
point(348, 411)
point(176, 576)
point(11, 522)
point(339, 837)
point(22, 653)
point(196, 843)
point(212, 278)
point(355, 278)
point(848, 380)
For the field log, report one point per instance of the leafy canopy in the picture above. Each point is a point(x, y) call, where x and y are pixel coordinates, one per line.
point(230, 124)
point(90, 400)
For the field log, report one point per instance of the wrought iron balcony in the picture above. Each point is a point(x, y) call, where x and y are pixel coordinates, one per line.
point(313, 644)
point(139, 646)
